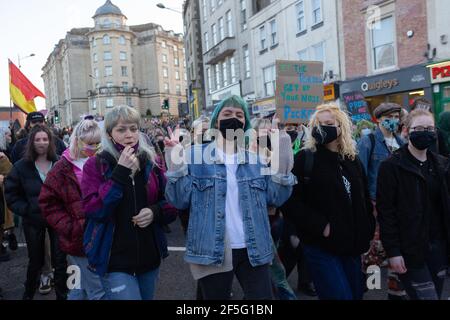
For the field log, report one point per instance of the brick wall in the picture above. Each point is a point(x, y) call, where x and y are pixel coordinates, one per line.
point(409, 15)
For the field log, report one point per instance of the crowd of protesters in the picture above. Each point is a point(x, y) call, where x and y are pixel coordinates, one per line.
point(256, 198)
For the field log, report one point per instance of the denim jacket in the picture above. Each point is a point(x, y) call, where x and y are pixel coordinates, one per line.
point(371, 163)
point(202, 189)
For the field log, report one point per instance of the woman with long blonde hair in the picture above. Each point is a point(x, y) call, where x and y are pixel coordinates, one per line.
point(331, 207)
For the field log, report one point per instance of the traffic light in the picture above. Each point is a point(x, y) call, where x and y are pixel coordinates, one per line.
point(166, 104)
point(56, 116)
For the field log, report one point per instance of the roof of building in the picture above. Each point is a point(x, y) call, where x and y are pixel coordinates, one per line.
point(108, 8)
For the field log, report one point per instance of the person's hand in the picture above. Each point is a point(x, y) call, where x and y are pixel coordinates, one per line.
point(295, 241)
point(174, 137)
point(144, 218)
point(2, 179)
point(398, 264)
point(326, 232)
point(2, 155)
point(128, 159)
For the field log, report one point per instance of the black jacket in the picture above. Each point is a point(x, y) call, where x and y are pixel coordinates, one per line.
point(18, 150)
point(22, 188)
point(402, 202)
point(324, 200)
point(134, 250)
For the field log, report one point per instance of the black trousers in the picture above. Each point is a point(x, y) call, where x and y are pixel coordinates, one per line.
point(35, 238)
point(427, 282)
point(255, 281)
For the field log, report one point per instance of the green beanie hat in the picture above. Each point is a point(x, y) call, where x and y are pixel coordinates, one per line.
point(235, 102)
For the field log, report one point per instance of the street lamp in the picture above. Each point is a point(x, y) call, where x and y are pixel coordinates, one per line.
point(162, 6)
point(23, 58)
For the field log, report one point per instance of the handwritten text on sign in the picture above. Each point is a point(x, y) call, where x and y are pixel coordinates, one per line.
point(299, 89)
point(357, 106)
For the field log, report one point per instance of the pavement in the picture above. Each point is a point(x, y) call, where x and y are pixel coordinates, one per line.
point(175, 282)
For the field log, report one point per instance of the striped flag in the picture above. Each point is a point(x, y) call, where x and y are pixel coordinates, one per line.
point(21, 90)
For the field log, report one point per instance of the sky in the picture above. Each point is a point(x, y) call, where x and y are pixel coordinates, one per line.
point(36, 26)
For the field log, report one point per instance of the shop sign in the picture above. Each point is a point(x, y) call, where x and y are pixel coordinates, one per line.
point(440, 72)
point(379, 85)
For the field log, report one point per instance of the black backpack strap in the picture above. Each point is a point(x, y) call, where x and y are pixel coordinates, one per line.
point(309, 164)
point(372, 144)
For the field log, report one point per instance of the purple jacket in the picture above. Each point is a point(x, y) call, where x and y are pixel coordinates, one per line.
point(101, 196)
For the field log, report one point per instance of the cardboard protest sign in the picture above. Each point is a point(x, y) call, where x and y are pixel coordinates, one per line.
point(356, 106)
point(299, 89)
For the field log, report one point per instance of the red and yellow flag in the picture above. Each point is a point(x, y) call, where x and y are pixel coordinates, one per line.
point(21, 89)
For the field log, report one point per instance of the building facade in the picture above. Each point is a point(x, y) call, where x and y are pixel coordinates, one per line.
point(194, 57)
point(94, 69)
point(386, 58)
point(292, 30)
point(226, 50)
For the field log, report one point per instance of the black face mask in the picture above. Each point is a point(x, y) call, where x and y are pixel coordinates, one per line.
point(327, 135)
point(230, 124)
point(293, 134)
point(267, 139)
point(422, 140)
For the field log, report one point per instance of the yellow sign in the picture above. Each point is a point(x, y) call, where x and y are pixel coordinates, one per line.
point(195, 104)
point(329, 92)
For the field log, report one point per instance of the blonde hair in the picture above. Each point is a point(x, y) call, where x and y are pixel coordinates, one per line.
point(346, 146)
point(129, 115)
point(415, 114)
point(87, 131)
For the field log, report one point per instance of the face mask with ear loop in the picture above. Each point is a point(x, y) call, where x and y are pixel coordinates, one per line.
point(119, 147)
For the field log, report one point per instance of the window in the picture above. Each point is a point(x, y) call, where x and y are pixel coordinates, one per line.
point(213, 5)
point(166, 87)
point(129, 102)
point(94, 104)
point(106, 39)
point(108, 71)
point(95, 57)
point(107, 56)
point(229, 23)
point(165, 73)
point(94, 42)
point(319, 52)
point(109, 84)
point(122, 40)
point(206, 41)
point(262, 37)
point(225, 73)
point(205, 10)
point(273, 32)
point(214, 34)
point(164, 44)
point(96, 73)
point(175, 49)
point(300, 8)
point(164, 58)
point(217, 67)
point(210, 83)
point(243, 15)
point(233, 70)
point(316, 11)
point(178, 89)
point(246, 62)
point(269, 81)
point(109, 103)
point(125, 86)
point(176, 62)
point(383, 44)
point(185, 76)
point(177, 75)
point(124, 72)
point(221, 29)
point(123, 56)
point(303, 55)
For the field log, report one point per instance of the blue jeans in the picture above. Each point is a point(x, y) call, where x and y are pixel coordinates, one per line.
point(124, 286)
point(91, 287)
point(335, 277)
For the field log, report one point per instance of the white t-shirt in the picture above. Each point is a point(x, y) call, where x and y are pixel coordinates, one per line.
point(234, 222)
point(392, 144)
point(80, 162)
